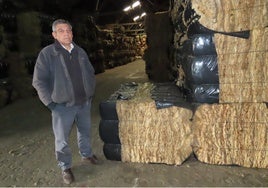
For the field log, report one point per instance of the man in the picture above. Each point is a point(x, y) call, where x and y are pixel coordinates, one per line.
point(65, 82)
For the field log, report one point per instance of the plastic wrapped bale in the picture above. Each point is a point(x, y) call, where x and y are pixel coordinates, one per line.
point(200, 44)
point(151, 135)
point(201, 69)
point(203, 93)
point(231, 134)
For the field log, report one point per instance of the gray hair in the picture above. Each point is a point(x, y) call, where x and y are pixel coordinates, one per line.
point(60, 21)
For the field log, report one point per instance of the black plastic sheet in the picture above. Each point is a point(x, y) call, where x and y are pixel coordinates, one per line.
point(199, 44)
point(168, 94)
point(125, 92)
point(204, 93)
point(201, 69)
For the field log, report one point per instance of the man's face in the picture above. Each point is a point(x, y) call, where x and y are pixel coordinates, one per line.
point(63, 34)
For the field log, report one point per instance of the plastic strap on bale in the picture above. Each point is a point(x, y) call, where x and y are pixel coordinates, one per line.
point(197, 28)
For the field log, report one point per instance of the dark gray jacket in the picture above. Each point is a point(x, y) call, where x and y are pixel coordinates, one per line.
point(51, 78)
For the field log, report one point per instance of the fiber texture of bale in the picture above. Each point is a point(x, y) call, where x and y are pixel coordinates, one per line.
point(151, 135)
point(242, 67)
point(232, 134)
point(233, 15)
point(258, 41)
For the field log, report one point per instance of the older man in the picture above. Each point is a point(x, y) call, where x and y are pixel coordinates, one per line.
point(65, 82)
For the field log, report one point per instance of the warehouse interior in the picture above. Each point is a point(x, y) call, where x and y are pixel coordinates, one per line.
point(181, 96)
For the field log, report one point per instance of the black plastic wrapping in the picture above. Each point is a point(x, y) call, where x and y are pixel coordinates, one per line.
point(112, 151)
point(108, 131)
point(125, 92)
point(199, 44)
point(201, 69)
point(204, 93)
point(168, 94)
point(107, 110)
point(200, 66)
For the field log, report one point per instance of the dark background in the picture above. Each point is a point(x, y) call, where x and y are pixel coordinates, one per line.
point(103, 11)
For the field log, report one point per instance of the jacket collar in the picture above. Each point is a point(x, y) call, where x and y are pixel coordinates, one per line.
point(59, 47)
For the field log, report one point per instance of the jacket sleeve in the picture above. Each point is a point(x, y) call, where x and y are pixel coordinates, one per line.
point(42, 79)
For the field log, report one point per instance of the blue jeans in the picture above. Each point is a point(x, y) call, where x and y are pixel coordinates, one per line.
point(63, 118)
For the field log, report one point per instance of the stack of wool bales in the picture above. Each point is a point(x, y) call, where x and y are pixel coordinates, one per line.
point(152, 135)
point(124, 51)
point(118, 47)
point(158, 28)
point(87, 36)
point(22, 68)
point(140, 41)
point(235, 131)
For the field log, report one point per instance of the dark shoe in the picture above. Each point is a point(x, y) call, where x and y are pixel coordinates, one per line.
point(67, 176)
point(94, 160)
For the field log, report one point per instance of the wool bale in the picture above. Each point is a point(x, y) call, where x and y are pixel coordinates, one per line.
point(151, 135)
point(242, 67)
point(232, 15)
point(230, 134)
point(258, 41)
point(245, 92)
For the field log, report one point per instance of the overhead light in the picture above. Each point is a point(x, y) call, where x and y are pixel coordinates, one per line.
point(143, 14)
point(136, 18)
point(135, 4)
point(127, 8)
point(139, 17)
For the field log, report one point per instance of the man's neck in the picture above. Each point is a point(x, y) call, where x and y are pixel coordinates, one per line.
point(68, 47)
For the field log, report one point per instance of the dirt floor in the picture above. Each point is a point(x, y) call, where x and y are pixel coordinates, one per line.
point(27, 150)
